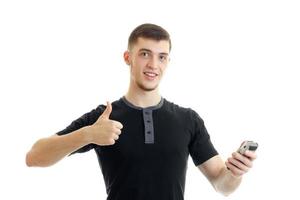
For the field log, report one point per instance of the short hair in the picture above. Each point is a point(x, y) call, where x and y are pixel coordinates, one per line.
point(148, 31)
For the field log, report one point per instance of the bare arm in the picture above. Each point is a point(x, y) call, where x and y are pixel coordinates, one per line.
point(48, 151)
point(226, 177)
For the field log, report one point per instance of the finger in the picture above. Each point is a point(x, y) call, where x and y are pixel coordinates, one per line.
point(234, 170)
point(107, 111)
point(251, 155)
point(112, 141)
point(238, 164)
point(117, 124)
point(109, 142)
point(242, 158)
point(116, 137)
point(117, 131)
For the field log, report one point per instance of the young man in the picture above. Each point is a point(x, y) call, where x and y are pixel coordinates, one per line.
point(143, 140)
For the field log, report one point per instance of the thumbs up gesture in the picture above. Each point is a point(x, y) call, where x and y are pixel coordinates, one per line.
point(105, 131)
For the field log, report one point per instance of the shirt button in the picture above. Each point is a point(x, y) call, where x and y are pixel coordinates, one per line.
point(148, 132)
point(148, 121)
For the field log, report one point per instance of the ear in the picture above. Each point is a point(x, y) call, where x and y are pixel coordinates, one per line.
point(126, 57)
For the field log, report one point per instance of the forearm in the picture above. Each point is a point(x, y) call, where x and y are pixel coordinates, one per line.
point(226, 182)
point(48, 151)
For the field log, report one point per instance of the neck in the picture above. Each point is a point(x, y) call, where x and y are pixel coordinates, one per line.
point(142, 98)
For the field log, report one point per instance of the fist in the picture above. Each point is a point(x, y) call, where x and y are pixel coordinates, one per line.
point(105, 131)
point(240, 164)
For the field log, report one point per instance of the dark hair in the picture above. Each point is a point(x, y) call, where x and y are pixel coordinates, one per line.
point(149, 31)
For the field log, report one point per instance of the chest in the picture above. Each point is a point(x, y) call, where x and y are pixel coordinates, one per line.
point(170, 141)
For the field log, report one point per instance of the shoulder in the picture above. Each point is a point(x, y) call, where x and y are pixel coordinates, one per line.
point(185, 112)
point(101, 107)
point(91, 116)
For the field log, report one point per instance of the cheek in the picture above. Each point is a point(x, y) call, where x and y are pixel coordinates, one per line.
point(134, 69)
point(137, 66)
point(139, 63)
point(162, 69)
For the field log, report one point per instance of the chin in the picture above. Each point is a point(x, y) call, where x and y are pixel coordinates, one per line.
point(147, 88)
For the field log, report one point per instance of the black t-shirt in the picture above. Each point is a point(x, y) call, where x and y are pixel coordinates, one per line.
point(149, 160)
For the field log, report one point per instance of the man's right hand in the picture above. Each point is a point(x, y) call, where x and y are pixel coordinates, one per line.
point(104, 131)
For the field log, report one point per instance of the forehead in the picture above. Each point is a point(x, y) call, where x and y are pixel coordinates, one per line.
point(161, 46)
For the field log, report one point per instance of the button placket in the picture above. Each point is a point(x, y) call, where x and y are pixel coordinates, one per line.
point(148, 122)
point(147, 118)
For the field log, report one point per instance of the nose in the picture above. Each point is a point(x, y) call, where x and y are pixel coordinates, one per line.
point(153, 63)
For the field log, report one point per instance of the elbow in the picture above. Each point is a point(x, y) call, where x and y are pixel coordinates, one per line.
point(34, 157)
point(29, 160)
point(33, 160)
point(226, 194)
point(225, 191)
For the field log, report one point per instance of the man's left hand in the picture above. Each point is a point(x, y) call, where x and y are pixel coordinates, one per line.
point(239, 164)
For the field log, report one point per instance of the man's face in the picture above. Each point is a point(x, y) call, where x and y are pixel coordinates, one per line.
point(148, 60)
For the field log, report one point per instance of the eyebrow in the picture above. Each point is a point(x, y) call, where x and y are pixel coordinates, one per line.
point(148, 50)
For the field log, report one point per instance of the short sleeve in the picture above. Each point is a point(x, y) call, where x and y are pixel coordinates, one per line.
point(85, 120)
point(200, 148)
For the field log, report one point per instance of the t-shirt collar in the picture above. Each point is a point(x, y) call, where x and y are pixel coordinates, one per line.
point(141, 108)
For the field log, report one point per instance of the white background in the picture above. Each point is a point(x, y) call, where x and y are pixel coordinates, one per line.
point(234, 62)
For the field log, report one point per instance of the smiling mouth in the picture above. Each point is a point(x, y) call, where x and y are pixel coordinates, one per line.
point(150, 74)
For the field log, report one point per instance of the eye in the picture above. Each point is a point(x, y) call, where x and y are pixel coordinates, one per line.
point(162, 58)
point(145, 54)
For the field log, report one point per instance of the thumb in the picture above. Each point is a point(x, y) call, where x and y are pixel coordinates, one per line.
point(107, 111)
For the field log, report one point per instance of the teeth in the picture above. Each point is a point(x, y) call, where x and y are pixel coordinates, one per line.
point(150, 74)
